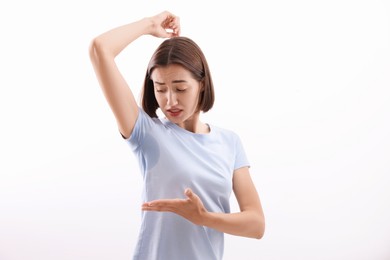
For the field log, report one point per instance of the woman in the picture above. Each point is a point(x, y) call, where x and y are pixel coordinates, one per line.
point(178, 153)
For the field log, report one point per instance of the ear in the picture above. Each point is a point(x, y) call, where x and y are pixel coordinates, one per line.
point(201, 85)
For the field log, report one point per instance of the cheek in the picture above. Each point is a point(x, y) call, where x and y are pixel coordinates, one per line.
point(159, 98)
point(195, 98)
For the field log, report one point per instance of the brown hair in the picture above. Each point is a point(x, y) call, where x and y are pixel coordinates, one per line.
point(185, 52)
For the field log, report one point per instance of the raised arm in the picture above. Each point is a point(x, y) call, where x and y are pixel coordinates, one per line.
point(107, 46)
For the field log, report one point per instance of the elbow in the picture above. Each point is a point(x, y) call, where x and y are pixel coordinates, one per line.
point(96, 49)
point(255, 226)
point(260, 232)
point(260, 228)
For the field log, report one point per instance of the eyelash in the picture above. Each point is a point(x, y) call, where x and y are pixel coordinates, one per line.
point(178, 90)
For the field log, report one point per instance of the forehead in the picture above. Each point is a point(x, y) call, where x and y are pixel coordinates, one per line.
point(170, 73)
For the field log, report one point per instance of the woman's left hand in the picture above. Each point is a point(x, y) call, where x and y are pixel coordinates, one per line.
point(191, 208)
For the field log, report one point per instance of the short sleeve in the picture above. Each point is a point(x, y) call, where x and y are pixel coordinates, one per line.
point(241, 160)
point(142, 126)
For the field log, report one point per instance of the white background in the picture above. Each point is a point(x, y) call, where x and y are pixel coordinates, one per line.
point(306, 85)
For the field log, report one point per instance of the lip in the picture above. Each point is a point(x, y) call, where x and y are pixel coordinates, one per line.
point(174, 112)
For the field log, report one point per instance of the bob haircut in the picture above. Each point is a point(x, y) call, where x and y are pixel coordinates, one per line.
point(186, 53)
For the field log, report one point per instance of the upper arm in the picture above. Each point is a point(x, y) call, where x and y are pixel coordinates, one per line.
point(115, 88)
point(245, 191)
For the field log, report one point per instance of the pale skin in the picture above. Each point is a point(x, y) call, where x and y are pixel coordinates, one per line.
point(177, 93)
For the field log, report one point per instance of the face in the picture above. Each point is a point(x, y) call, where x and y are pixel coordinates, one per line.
point(177, 93)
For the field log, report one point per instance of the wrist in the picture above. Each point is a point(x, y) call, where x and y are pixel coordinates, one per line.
point(148, 24)
point(209, 219)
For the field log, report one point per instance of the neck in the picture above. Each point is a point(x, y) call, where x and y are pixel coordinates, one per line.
point(194, 125)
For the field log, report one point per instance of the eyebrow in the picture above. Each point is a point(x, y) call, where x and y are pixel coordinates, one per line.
point(173, 81)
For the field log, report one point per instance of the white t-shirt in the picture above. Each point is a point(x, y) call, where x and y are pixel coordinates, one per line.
point(172, 159)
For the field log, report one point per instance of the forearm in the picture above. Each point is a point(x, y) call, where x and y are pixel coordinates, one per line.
point(249, 222)
point(114, 41)
point(246, 223)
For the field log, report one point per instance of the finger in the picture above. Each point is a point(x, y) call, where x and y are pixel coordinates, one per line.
point(174, 24)
point(157, 209)
point(154, 203)
point(147, 204)
point(160, 207)
point(188, 192)
point(168, 19)
point(163, 203)
point(176, 32)
point(154, 206)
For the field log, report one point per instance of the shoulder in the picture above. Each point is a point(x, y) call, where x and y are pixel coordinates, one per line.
point(145, 120)
point(144, 124)
point(222, 130)
point(225, 133)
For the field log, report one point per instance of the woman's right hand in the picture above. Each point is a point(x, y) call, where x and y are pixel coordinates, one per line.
point(165, 25)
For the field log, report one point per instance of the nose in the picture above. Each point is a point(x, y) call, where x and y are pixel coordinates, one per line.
point(171, 98)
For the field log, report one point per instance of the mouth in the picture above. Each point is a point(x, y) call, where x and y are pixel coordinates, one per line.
point(174, 112)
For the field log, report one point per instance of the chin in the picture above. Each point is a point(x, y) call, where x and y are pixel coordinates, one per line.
point(174, 120)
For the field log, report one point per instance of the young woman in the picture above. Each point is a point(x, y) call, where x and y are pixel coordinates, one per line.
point(189, 167)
